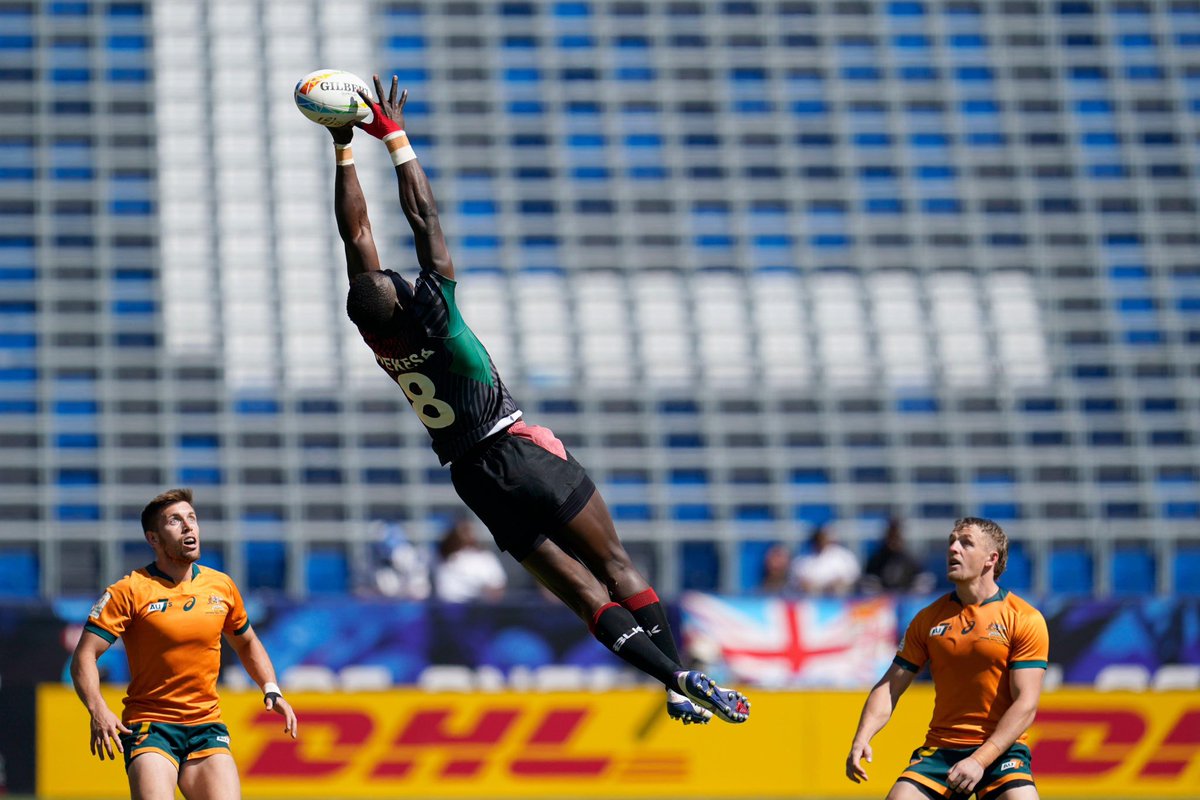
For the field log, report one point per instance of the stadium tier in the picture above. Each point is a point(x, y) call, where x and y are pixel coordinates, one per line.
point(760, 264)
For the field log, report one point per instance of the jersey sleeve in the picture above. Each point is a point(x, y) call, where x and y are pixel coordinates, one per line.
point(113, 612)
point(914, 647)
point(1030, 644)
point(237, 621)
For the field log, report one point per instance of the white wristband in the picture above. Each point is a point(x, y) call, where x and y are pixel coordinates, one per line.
point(394, 135)
point(341, 146)
point(345, 162)
point(402, 154)
point(271, 688)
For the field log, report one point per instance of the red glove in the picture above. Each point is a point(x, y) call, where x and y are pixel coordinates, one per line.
point(380, 125)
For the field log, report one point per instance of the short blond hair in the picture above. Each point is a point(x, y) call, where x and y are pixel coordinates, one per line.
point(995, 533)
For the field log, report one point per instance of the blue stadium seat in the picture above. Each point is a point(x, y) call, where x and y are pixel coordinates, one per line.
point(18, 572)
point(326, 571)
point(1133, 570)
point(751, 557)
point(1071, 569)
point(700, 565)
point(1185, 570)
point(213, 557)
point(266, 565)
point(1018, 575)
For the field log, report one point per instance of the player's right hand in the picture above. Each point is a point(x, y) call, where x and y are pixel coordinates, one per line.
point(854, 769)
point(388, 113)
point(107, 729)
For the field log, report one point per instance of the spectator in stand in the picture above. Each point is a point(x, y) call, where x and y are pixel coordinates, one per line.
point(465, 570)
point(777, 562)
point(828, 568)
point(892, 568)
point(399, 568)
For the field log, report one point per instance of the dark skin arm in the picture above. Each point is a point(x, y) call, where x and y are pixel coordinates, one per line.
point(350, 208)
point(416, 196)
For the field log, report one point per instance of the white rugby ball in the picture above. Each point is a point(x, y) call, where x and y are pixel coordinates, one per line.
point(330, 97)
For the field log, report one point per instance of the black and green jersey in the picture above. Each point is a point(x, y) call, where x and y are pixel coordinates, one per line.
point(443, 370)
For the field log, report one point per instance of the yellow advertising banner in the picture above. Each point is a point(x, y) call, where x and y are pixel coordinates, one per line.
point(407, 743)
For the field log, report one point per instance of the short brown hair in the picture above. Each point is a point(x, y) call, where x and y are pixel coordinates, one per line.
point(169, 498)
point(994, 532)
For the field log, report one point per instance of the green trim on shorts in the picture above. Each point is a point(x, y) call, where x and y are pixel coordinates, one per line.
point(931, 765)
point(178, 742)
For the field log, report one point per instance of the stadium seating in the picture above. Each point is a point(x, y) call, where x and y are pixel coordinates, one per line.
point(929, 259)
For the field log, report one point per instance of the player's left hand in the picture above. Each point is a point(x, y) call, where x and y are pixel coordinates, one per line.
point(342, 134)
point(280, 706)
point(388, 112)
point(964, 775)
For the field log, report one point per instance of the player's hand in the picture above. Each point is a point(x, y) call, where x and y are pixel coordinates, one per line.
point(342, 134)
point(854, 769)
point(964, 775)
point(387, 114)
point(280, 706)
point(106, 730)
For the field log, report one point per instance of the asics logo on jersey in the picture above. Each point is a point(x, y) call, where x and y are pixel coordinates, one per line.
point(625, 637)
point(938, 630)
point(969, 628)
point(190, 604)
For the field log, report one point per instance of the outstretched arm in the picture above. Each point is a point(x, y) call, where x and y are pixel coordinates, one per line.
point(416, 195)
point(350, 208)
point(881, 702)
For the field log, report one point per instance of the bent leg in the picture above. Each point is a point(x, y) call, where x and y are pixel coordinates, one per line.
point(213, 777)
point(612, 624)
point(570, 581)
point(152, 776)
point(592, 537)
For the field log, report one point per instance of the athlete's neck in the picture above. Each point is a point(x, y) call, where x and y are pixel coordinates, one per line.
point(176, 570)
point(976, 590)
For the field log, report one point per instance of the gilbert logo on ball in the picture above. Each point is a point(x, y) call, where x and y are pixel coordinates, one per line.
point(330, 97)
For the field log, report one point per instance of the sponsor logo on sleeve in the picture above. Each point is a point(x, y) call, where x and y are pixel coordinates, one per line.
point(98, 608)
point(158, 605)
point(938, 630)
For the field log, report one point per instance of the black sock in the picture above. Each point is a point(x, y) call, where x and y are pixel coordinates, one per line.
point(651, 615)
point(617, 630)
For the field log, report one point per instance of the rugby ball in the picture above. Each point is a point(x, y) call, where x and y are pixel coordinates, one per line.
point(330, 97)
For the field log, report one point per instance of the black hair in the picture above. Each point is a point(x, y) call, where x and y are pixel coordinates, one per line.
point(369, 303)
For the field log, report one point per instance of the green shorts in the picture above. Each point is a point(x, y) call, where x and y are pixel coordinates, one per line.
point(179, 743)
point(930, 766)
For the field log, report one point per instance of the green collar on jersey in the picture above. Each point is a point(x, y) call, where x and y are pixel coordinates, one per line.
point(1000, 594)
point(155, 572)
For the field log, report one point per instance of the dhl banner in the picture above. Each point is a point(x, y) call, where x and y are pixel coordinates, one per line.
point(620, 744)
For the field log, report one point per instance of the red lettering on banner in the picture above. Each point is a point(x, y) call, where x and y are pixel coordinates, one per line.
point(286, 757)
point(1178, 750)
point(428, 728)
point(555, 729)
point(557, 726)
point(1054, 750)
point(558, 767)
point(462, 768)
